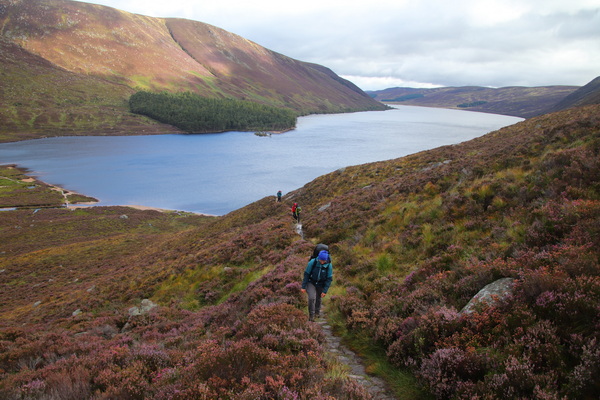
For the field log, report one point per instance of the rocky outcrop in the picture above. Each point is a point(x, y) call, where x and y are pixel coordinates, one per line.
point(144, 308)
point(490, 295)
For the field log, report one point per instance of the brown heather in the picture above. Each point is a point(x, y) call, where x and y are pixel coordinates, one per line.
point(413, 239)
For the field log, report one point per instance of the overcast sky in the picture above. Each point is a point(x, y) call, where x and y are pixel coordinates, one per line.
point(415, 43)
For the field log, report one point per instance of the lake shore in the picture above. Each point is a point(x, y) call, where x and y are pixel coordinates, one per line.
point(69, 195)
point(138, 207)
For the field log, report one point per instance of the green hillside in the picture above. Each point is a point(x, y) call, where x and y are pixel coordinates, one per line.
point(38, 99)
point(412, 241)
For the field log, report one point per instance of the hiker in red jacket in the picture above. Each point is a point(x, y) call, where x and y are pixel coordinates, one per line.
point(296, 212)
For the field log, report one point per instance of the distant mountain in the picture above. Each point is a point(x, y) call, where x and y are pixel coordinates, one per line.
point(517, 101)
point(69, 67)
point(585, 95)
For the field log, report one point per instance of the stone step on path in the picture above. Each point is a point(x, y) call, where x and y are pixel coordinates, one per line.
point(375, 386)
point(299, 230)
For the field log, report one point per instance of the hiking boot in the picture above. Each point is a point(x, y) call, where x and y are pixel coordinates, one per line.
point(311, 318)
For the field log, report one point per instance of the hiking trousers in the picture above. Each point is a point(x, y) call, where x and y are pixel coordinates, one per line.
point(314, 300)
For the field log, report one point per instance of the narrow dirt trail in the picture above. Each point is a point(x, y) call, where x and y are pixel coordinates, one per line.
point(299, 230)
point(375, 386)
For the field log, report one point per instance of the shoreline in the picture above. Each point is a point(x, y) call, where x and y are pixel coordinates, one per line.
point(74, 206)
point(84, 204)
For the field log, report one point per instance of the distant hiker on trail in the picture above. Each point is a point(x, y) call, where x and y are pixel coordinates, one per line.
point(318, 249)
point(317, 279)
point(279, 196)
point(296, 212)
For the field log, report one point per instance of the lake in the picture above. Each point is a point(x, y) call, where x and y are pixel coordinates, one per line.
point(218, 173)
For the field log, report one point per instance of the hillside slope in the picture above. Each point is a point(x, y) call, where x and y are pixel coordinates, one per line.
point(115, 53)
point(517, 101)
point(412, 239)
point(585, 95)
point(39, 99)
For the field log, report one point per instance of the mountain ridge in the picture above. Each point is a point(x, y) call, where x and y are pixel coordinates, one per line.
point(585, 95)
point(128, 52)
point(517, 101)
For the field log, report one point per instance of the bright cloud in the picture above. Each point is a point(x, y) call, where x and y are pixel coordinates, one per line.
point(493, 12)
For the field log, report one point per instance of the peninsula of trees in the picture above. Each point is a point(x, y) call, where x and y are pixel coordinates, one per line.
point(196, 114)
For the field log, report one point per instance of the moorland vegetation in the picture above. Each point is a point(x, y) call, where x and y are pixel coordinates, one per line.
point(413, 240)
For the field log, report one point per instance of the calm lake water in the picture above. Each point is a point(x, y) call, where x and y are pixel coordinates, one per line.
point(218, 173)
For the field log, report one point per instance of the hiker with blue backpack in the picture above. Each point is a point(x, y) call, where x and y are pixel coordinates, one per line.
point(317, 279)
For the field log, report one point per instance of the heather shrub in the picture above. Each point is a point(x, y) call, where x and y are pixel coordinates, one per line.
point(352, 302)
point(67, 379)
point(360, 319)
point(417, 337)
point(447, 368)
point(582, 381)
point(152, 356)
point(554, 295)
point(386, 330)
point(281, 327)
point(518, 380)
point(575, 309)
point(573, 170)
point(190, 390)
point(342, 389)
point(576, 260)
point(232, 362)
point(385, 318)
point(418, 301)
point(430, 267)
point(542, 346)
point(239, 366)
point(557, 219)
point(131, 381)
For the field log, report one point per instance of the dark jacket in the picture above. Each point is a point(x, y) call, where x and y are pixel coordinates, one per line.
point(317, 274)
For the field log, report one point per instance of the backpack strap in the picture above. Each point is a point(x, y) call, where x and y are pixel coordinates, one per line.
point(312, 267)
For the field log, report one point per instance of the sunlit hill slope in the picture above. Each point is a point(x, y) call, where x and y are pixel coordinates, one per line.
point(412, 239)
point(69, 67)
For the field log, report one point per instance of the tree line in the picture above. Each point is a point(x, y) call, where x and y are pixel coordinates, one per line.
point(196, 114)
